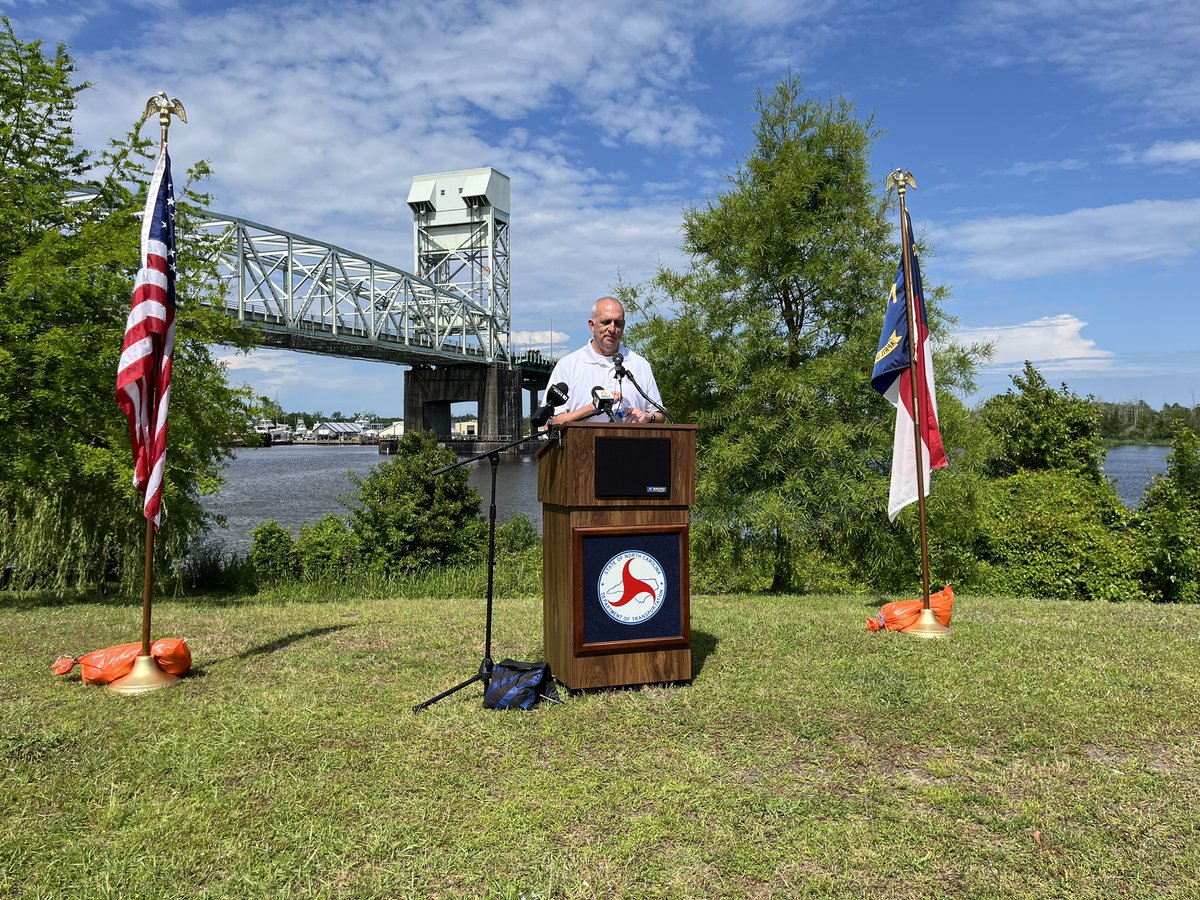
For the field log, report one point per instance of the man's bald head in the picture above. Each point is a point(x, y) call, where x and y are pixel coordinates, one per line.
point(607, 324)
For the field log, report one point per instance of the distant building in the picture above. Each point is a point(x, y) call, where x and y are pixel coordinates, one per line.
point(342, 432)
point(465, 429)
point(392, 432)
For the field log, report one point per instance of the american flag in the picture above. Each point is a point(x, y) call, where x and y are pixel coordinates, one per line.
point(144, 373)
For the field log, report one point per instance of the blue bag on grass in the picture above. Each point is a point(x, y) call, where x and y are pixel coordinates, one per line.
point(519, 685)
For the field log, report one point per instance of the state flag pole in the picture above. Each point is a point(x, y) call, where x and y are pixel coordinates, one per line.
point(927, 625)
point(144, 375)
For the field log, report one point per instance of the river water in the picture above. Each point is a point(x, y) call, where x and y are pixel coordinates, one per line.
point(1132, 467)
point(298, 484)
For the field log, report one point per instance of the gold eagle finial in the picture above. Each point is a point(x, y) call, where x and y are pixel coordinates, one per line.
point(901, 181)
point(160, 104)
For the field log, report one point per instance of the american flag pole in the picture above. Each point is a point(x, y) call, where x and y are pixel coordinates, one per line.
point(144, 374)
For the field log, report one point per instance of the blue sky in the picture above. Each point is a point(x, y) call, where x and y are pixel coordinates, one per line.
point(1054, 147)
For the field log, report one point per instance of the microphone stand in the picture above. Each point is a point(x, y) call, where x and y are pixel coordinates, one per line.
point(625, 373)
point(486, 665)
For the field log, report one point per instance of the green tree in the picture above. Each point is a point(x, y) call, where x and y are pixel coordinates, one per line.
point(1053, 524)
point(68, 512)
point(766, 343)
point(406, 519)
point(1038, 428)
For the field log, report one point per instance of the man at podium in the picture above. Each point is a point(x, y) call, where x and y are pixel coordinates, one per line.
point(603, 363)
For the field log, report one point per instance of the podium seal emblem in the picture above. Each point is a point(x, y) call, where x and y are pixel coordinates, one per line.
point(631, 587)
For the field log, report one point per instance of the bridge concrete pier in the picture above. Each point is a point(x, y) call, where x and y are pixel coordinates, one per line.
point(496, 390)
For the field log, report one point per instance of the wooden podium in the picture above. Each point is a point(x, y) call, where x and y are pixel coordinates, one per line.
point(616, 593)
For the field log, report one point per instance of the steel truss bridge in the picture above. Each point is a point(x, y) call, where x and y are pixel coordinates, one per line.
point(307, 295)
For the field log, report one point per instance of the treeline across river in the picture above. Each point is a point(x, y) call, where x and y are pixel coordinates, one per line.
point(1136, 422)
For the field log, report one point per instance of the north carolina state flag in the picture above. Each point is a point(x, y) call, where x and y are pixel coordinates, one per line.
point(892, 377)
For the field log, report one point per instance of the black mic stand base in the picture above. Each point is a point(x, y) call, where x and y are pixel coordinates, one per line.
point(484, 674)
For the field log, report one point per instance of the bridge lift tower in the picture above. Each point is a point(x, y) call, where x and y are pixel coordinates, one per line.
point(460, 241)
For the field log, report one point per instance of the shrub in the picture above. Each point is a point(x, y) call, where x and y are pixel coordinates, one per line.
point(517, 534)
point(1039, 428)
point(1172, 571)
point(1169, 524)
point(326, 549)
point(1058, 534)
point(273, 554)
point(210, 566)
point(722, 563)
point(407, 519)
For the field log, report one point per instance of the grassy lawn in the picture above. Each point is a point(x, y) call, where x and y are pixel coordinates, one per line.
point(1043, 750)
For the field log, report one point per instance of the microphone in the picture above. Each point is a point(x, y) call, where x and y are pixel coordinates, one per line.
point(619, 365)
point(603, 400)
point(556, 395)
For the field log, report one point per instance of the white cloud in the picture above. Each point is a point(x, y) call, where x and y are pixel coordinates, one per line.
point(609, 119)
point(1173, 153)
point(311, 383)
point(551, 343)
point(1039, 170)
point(1052, 343)
point(771, 37)
point(316, 118)
point(46, 17)
point(1161, 232)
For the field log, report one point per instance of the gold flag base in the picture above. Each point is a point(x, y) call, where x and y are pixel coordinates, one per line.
point(928, 626)
point(146, 676)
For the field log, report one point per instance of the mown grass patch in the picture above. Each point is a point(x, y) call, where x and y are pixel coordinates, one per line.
point(1044, 749)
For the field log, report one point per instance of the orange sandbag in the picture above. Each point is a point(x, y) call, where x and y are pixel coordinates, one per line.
point(175, 657)
point(111, 663)
point(901, 614)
